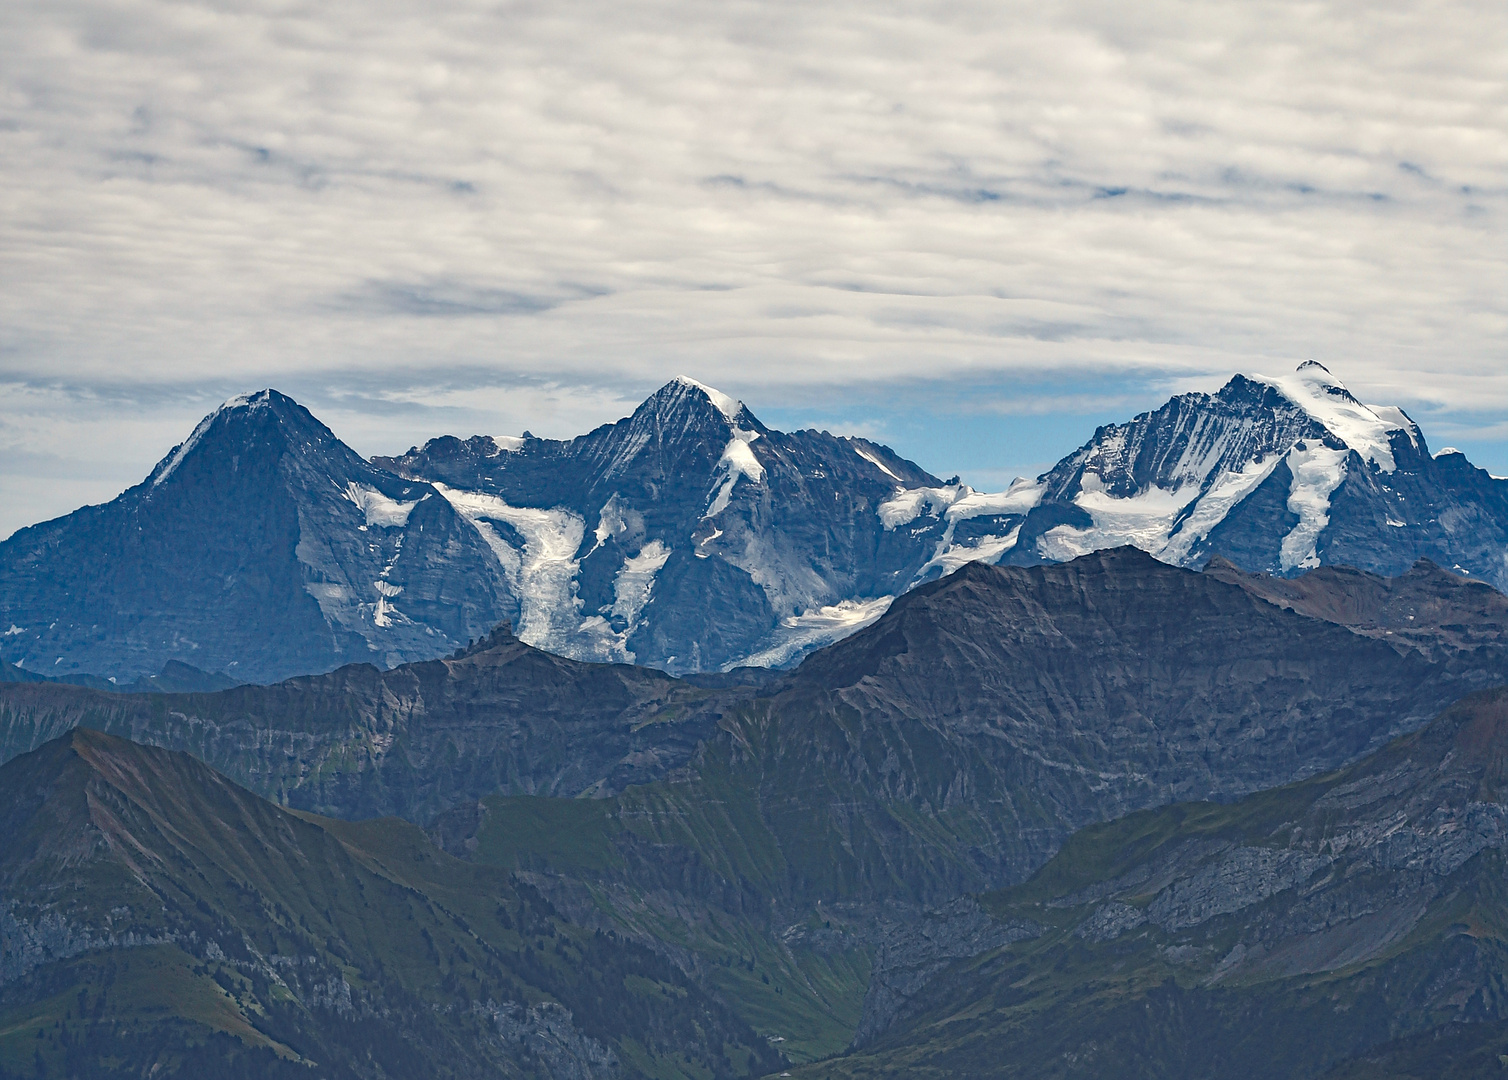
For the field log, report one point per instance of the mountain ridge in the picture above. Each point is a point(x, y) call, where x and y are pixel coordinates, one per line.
point(689, 535)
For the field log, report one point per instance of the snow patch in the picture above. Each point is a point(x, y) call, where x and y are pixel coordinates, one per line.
point(1317, 472)
point(14, 630)
point(812, 629)
point(729, 407)
point(876, 462)
point(505, 444)
point(958, 502)
point(1445, 451)
point(1365, 429)
point(635, 581)
point(737, 460)
point(543, 575)
point(383, 614)
point(1022, 496)
point(379, 509)
point(988, 549)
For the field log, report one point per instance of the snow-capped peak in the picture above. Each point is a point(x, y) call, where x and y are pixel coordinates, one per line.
point(1364, 428)
point(729, 407)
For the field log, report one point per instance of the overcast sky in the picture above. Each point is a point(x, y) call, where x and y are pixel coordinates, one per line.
point(970, 229)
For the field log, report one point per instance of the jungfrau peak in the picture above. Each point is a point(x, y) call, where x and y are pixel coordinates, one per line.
point(1278, 474)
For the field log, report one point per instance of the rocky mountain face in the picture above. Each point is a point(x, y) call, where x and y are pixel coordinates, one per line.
point(360, 742)
point(690, 536)
point(1278, 475)
point(156, 919)
point(1028, 700)
point(1338, 926)
point(262, 547)
point(1429, 609)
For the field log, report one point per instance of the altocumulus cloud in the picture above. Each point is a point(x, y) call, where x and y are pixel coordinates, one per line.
point(784, 198)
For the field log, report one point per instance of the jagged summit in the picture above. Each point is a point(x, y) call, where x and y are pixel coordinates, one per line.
point(1280, 474)
point(261, 546)
point(266, 423)
point(681, 385)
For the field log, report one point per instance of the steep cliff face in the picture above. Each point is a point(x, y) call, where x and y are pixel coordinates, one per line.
point(690, 536)
point(262, 546)
point(1346, 919)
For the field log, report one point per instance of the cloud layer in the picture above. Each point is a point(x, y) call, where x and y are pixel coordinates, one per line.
point(782, 198)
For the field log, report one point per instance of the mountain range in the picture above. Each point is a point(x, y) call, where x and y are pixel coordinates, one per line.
point(804, 849)
point(1024, 811)
point(689, 536)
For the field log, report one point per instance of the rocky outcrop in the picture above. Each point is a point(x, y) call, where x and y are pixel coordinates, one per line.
point(412, 741)
point(1434, 611)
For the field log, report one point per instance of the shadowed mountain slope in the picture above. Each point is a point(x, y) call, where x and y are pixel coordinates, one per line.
point(411, 741)
point(160, 920)
point(1426, 608)
point(1343, 923)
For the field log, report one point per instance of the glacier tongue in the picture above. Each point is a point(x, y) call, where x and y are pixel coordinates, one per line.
point(1317, 472)
point(543, 575)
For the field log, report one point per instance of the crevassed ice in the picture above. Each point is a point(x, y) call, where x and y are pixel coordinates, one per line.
point(1317, 472)
point(814, 628)
point(912, 503)
point(1144, 520)
point(957, 502)
point(543, 575)
point(378, 508)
